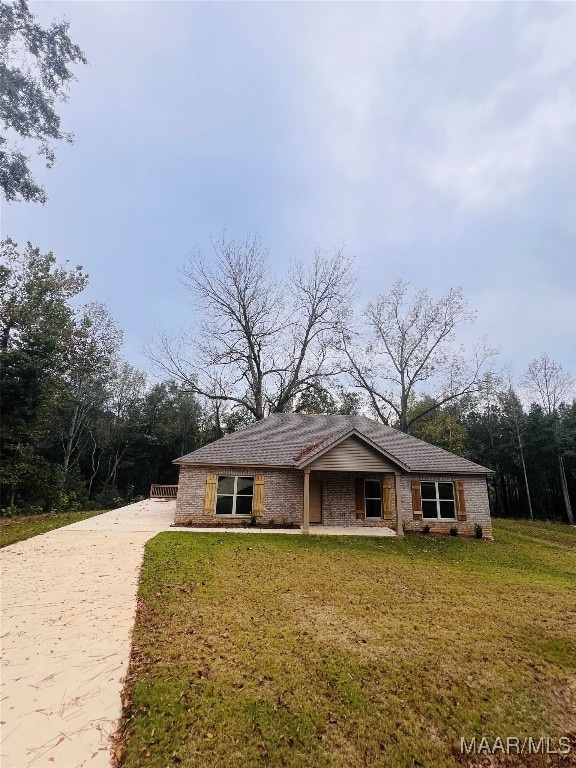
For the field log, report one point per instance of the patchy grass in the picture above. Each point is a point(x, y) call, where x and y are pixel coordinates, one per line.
point(15, 529)
point(340, 652)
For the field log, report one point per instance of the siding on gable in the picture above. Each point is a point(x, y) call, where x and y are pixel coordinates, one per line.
point(352, 455)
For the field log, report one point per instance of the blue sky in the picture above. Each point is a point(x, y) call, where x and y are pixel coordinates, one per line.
point(434, 141)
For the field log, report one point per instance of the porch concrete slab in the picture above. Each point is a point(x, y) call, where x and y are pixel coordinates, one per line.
point(351, 530)
point(67, 612)
point(315, 530)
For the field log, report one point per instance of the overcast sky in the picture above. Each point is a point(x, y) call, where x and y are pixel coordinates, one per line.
point(436, 142)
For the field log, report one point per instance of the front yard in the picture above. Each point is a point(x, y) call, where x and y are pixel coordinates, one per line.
point(314, 652)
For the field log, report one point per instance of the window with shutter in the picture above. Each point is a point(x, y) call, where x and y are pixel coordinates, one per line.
point(373, 498)
point(438, 501)
point(234, 495)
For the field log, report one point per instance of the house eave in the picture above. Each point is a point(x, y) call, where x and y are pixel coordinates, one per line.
point(206, 463)
point(463, 472)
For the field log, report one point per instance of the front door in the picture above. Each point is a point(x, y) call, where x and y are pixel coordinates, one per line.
point(315, 500)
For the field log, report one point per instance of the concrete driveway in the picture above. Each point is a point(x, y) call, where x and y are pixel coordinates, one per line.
point(68, 607)
point(67, 612)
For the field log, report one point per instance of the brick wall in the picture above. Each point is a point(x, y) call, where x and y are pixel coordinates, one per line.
point(283, 499)
point(339, 498)
point(283, 494)
point(476, 499)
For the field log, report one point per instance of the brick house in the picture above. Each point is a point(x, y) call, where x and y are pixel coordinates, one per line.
point(334, 470)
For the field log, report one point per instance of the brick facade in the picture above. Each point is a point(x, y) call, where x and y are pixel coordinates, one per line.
point(283, 494)
point(283, 499)
point(339, 498)
point(477, 506)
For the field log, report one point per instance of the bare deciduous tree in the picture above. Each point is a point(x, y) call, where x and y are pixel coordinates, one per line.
point(127, 389)
point(258, 343)
point(409, 351)
point(548, 380)
point(91, 350)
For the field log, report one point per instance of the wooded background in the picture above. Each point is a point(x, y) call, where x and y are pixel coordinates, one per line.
point(80, 427)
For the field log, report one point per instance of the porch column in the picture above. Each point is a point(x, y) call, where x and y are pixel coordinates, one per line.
point(306, 510)
point(398, 494)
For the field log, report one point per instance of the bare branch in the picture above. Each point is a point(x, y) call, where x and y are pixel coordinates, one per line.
point(410, 350)
point(547, 379)
point(266, 340)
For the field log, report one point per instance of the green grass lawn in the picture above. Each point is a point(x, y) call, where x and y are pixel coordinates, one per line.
point(325, 652)
point(14, 530)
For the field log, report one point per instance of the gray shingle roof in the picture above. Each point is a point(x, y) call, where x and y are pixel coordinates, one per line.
point(294, 439)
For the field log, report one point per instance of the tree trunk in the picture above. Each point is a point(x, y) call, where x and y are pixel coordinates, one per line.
point(4, 339)
point(111, 479)
point(219, 430)
point(530, 512)
point(95, 466)
point(112, 469)
point(71, 437)
point(567, 505)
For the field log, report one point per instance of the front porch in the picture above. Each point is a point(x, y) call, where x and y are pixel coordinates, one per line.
point(351, 501)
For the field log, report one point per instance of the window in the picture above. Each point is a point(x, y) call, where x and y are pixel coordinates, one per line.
point(373, 498)
point(438, 500)
point(234, 495)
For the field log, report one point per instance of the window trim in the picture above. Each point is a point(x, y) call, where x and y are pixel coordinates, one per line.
point(437, 499)
point(373, 498)
point(234, 496)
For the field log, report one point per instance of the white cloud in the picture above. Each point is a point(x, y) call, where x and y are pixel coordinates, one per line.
point(373, 109)
point(486, 162)
point(508, 316)
point(435, 140)
point(551, 47)
point(347, 64)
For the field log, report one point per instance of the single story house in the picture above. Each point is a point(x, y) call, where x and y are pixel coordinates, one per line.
point(334, 470)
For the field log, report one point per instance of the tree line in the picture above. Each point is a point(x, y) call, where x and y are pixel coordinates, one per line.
point(80, 426)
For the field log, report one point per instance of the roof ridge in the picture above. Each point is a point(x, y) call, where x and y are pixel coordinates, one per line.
point(286, 439)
